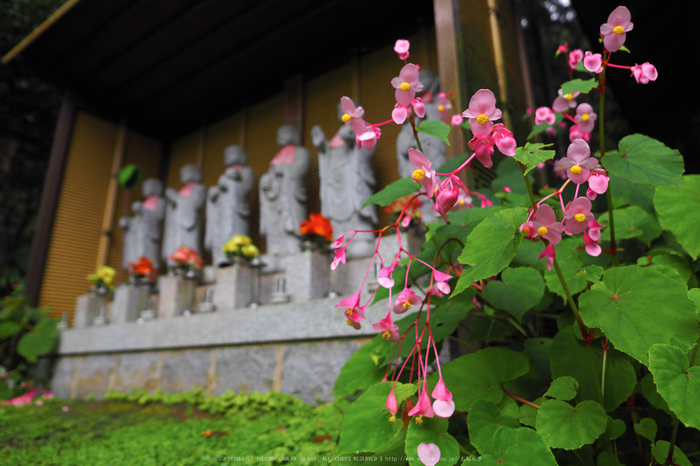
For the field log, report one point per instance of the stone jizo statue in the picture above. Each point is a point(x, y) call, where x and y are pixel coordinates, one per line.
point(184, 213)
point(283, 196)
point(228, 205)
point(142, 231)
point(347, 180)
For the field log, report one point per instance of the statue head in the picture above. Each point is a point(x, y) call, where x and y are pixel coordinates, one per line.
point(190, 173)
point(288, 134)
point(152, 187)
point(430, 80)
point(235, 155)
point(341, 112)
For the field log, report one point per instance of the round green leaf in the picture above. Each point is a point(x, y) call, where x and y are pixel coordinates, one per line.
point(491, 246)
point(637, 307)
point(569, 269)
point(518, 447)
point(563, 426)
point(677, 209)
point(433, 430)
point(130, 176)
point(630, 222)
point(569, 356)
point(563, 388)
point(646, 427)
point(518, 290)
point(399, 188)
point(649, 391)
point(483, 421)
point(437, 129)
point(364, 368)
point(39, 340)
point(613, 429)
point(660, 452)
point(481, 374)
point(677, 382)
point(532, 154)
point(645, 160)
point(579, 85)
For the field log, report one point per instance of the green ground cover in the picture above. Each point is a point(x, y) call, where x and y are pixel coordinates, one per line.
point(182, 429)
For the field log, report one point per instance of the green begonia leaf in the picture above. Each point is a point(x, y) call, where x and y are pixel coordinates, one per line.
point(433, 430)
point(528, 414)
point(364, 368)
point(579, 85)
point(626, 192)
point(677, 382)
point(614, 429)
point(435, 128)
point(481, 374)
point(660, 452)
point(569, 269)
point(366, 427)
point(563, 426)
point(517, 292)
point(678, 212)
point(649, 391)
point(592, 273)
point(637, 307)
point(567, 355)
point(399, 188)
point(518, 447)
point(629, 223)
point(645, 160)
point(39, 340)
point(491, 246)
point(646, 427)
point(563, 388)
point(8, 328)
point(532, 154)
point(483, 421)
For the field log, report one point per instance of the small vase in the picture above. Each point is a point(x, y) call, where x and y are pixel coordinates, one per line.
point(312, 246)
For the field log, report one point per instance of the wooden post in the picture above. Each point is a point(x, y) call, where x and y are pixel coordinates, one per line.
point(498, 60)
point(112, 190)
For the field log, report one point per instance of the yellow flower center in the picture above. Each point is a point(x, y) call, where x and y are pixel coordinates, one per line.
point(419, 420)
point(525, 231)
point(580, 217)
point(405, 87)
point(576, 170)
point(482, 119)
point(441, 108)
point(348, 313)
point(418, 174)
point(386, 334)
point(585, 117)
point(618, 30)
point(542, 231)
point(461, 202)
point(345, 118)
point(349, 322)
point(406, 305)
point(392, 418)
point(569, 96)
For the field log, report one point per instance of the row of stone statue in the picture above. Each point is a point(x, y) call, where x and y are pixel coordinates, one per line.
point(346, 182)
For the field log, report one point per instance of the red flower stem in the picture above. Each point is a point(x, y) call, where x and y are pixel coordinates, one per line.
point(619, 66)
point(529, 403)
point(459, 168)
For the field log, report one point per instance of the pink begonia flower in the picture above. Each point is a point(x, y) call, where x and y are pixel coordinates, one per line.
point(565, 102)
point(401, 48)
point(578, 163)
point(48, 395)
point(352, 116)
point(594, 230)
point(484, 201)
point(544, 115)
point(369, 138)
point(504, 139)
point(593, 62)
point(456, 120)
point(388, 329)
point(577, 215)
point(528, 230)
point(65, 409)
point(339, 257)
point(423, 407)
point(429, 454)
point(418, 107)
point(446, 197)
point(391, 404)
point(407, 84)
point(574, 57)
point(406, 221)
point(39, 403)
point(384, 278)
point(483, 149)
point(592, 247)
point(506, 189)
point(528, 111)
point(644, 73)
point(597, 184)
point(441, 281)
point(551, 131)
point(559, 171)
point(615, 30)
point(443, 105)
point(405, 300)
point(399, 114)
point(337, 243)
point(546, 224)
point(575, 133)
point(422, 173)
point(464, 201)
point(550, 254)
point(354, 312)
point(443, 404)
point(481, 112)
point(563, 48)
point(585, 118)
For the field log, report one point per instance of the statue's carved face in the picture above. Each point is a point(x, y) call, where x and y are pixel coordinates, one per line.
point(190, 173)
point(235, 155)
point(287, 135)
point(152, 187)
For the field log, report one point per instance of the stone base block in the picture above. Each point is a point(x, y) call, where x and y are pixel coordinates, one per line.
point(233, 287)
point(87, 308)
point(129, 301)
point(176, 295)
point(307, 275)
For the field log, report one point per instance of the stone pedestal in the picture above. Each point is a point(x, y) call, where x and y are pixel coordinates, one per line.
point(176, 295)
point(87, 309)
point(233, 287)
point(129, 301)
point(307, 275)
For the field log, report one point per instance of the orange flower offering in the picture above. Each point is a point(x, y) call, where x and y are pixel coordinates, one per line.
point(187, 257)
point(143, 268)
point(317, 225)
